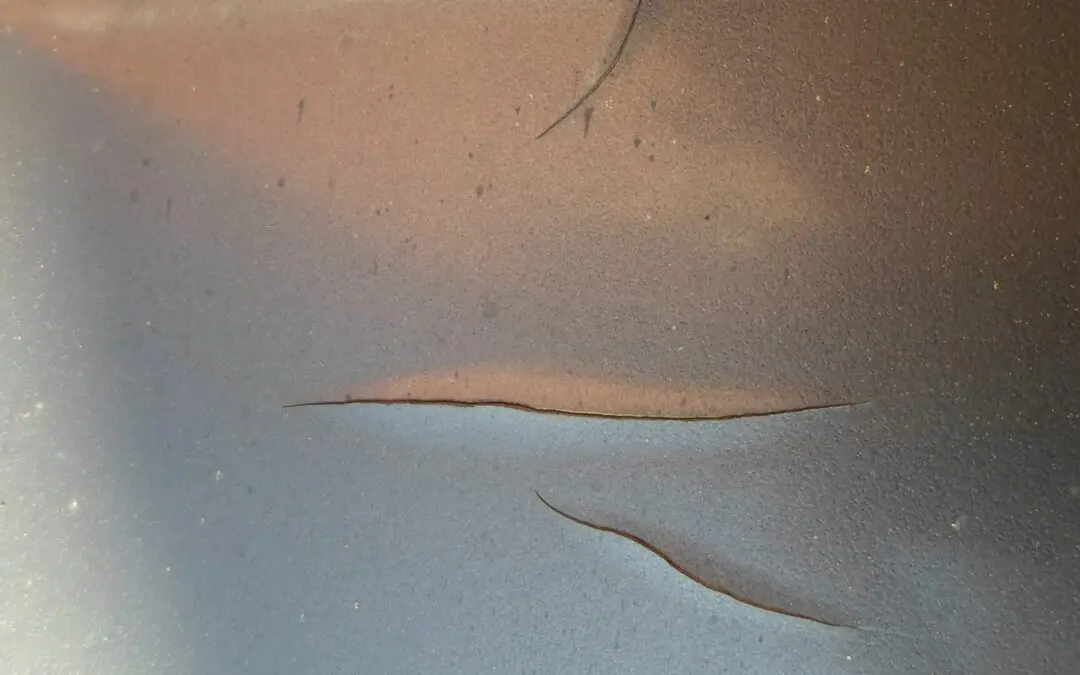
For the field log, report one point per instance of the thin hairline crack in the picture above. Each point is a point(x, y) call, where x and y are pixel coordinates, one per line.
point(603, 76)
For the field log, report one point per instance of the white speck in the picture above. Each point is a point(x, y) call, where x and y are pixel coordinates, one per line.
point(866, 170)
point(39, 407)
point(218, 475)
point(996, 285)
point(73, 505)
point(818, 98)
point(959, 523)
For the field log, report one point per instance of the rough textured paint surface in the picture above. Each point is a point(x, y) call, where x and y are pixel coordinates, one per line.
point(212, 210)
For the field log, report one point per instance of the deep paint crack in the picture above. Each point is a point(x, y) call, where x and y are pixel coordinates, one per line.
point(715, 587)
point(523, 407)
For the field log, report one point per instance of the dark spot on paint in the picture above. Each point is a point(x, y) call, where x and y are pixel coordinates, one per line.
point(706, 216)
point(145, 162)
point(479, 190)
point(378, 212)
point(375, 268)
point(209, 292)
point(652, 158)
point(637, 142)
point(653, 106)
point(168, 208)
point(517, 110)
point(281, 182)
point(470, 155)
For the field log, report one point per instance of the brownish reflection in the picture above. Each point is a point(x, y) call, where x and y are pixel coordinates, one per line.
point(720, 229)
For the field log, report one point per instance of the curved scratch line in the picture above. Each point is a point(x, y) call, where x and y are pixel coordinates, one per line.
point(603, 76)
point(524, 407)
point(723, 590)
